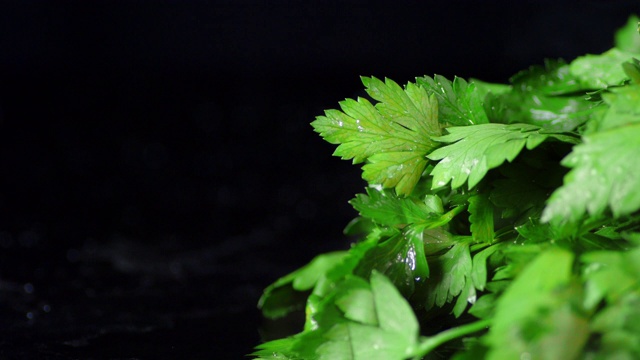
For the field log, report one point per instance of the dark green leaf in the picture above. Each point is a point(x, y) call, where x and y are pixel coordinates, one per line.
point(481, 218)
point(479, 269)
point(401, 258)
point(279, 298)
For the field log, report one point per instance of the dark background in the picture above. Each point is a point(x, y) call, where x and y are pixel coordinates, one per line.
point(158, 169)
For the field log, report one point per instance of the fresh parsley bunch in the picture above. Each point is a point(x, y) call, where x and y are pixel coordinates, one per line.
point(500, 221)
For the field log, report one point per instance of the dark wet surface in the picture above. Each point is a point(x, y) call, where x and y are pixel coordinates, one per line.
point(119, 298)
point(158, 170)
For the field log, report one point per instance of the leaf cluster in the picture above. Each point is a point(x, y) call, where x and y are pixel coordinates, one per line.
point(500, 221)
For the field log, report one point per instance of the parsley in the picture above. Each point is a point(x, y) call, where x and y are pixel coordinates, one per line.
point(500, 221)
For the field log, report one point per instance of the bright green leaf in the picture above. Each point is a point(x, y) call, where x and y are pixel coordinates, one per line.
point(632, 69)
point(459, 103)
point(394, 337)
point(521, 304)
point(627, 37)
point(547, 96)
point(605, 172)
point(386, 208)
point(352, 341)
point(394, 135)
point(552, 78)
point(450, 274)
point(601, 71)
point(393, 311)
point(624, 107)
point(358, 305)
point(474, 150)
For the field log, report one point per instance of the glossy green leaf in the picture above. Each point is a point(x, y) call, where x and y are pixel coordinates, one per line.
point(450, 274)
point(547, 96)
point(474, 150)
point(358, 305)
point(459, 102)
point(393, 311)
point(386, 208)
point(603, 70)
point(279, 299)
point(352, 341)
point(512, 255)
point(394, 135)
point(401, 258)
point(552, 78)
point(605, 167)
point(393, 337)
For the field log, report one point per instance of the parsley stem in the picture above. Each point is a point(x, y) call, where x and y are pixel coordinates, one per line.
point(429, 344)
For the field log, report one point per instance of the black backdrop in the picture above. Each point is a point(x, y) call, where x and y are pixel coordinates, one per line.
point(157, 165)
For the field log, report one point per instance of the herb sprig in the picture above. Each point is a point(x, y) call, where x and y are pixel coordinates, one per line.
point(501, 221)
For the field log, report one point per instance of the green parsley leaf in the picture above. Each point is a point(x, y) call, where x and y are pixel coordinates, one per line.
point(548, 96)
point(450, 273)
point(604, 168)
point(483, 88)
point(393, 335)
point(632, 69)
point(481, 218)
point(611, 278)
point(551, 79)
point(479, 269)
point(525, 187)
point(539, 292)
point(610, 275)
point(603, 70)
point(279, 298)
point(394, 136)
point(401, 258)
point(627, 37)
point(617, 328)
point(572, 195)
point(386, 208)
point(474, 150)
point(459, 102)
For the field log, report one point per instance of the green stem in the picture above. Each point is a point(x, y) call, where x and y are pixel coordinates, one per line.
point(429, 344)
